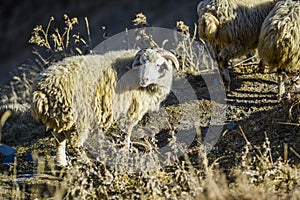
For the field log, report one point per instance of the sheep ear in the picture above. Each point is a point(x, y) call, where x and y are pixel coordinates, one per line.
point(164, 67)
point(136, 62)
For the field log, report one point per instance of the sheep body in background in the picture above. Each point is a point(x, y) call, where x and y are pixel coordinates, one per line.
point(279, 41)
point(116, 87)
point(231, 27)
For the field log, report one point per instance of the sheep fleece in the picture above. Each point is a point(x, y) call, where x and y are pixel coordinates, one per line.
point(95, 83)
point(232, 26)
point(279, 40)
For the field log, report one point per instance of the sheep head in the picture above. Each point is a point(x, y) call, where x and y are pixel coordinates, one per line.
point(153, 65)
point(208, 24)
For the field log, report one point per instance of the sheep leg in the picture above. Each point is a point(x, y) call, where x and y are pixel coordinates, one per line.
point(262, 67)
point(281, 85)
point(77, 145)
point(128, 137)
point(225, 77)
point(61, 157)
point(128, 130)
point(223, 61)
point(129, 141)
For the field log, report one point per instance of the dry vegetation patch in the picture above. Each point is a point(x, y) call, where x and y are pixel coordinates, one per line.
point(256, 157)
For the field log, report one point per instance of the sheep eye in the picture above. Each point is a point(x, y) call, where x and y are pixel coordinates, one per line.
point(162, 68)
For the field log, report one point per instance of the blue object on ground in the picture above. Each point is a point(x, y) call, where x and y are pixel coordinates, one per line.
point(29, 158)
point(231, 126)
point(7, 154)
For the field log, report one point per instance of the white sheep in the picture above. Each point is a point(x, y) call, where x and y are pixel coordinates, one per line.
point(279, 40)
point(116, 87)
point(231, 27)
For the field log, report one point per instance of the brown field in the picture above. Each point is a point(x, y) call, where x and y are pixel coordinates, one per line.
point(256, 156)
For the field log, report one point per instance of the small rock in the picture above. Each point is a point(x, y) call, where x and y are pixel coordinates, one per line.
point(7, 154)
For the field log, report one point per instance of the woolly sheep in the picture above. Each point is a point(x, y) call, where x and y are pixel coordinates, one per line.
point(279, 40)
point(231, 27)
point(118, 86)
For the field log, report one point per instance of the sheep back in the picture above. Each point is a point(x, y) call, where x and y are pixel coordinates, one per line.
point(232, 25)
point(280, 37)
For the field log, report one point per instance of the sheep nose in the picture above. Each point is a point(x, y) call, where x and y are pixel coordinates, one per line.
point(144, 81)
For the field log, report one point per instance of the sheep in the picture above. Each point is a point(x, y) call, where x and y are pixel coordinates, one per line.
point(279, 41)
point(118, 86)
point(231, 28)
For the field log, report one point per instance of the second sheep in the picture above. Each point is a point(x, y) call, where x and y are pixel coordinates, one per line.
point(231, 28)
point(279, 41)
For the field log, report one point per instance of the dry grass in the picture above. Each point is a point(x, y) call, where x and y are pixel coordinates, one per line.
point(254, 174)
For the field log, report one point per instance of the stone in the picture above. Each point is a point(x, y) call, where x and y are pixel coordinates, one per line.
point(7, 154)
